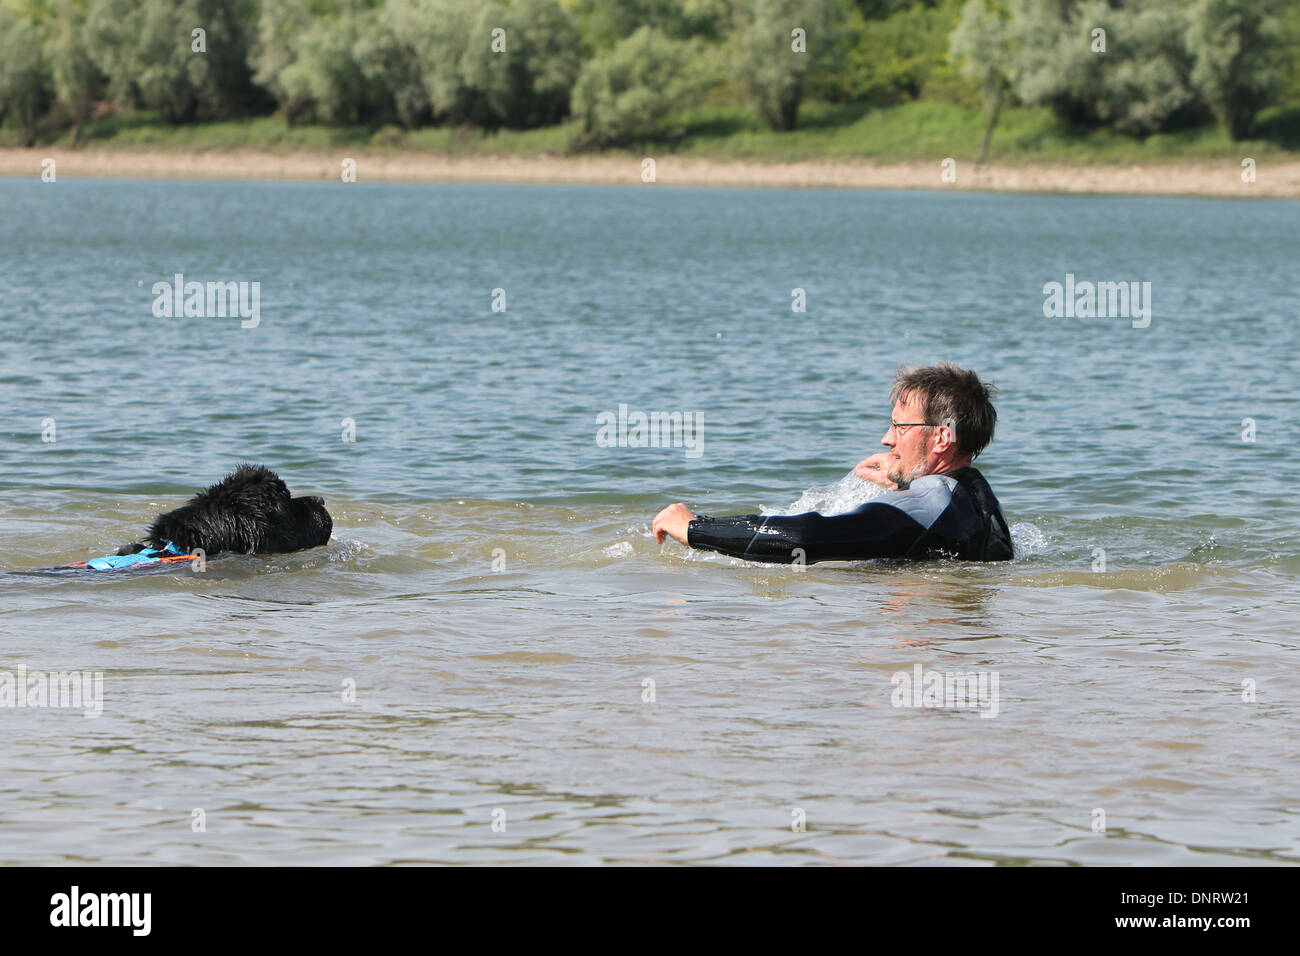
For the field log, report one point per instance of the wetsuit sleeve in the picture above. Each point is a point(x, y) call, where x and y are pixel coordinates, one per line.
point(875, 530)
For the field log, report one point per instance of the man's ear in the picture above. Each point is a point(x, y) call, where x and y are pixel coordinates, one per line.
point(948, 432)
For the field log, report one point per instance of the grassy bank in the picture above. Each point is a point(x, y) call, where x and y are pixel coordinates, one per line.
point(916, 131)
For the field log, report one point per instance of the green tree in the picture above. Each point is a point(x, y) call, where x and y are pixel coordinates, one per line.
point(777, 43)
point(624, 93)
point(460, 61)
point(893, 58)
point(24, 76)
point(281, 27)
point(440, 44)
point(147, 51)
point(1238, 63)
point(1148, 86)
point(327, 80)
point(78, 82)
point(389, 58)
point(1054, 63)
point(604, 22)
point(521, 62)
point(1140, 83)
point(981, 44)
point(328, 62)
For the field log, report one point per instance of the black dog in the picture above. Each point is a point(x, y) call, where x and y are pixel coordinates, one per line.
point(250, 511)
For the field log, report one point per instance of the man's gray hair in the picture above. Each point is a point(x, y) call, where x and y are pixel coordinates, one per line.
point(950, 396)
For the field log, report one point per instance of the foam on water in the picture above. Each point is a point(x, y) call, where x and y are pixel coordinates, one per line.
point(834, 499)
point(1027, 539)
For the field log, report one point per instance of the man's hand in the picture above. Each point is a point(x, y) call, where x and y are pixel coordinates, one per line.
point(873, 469)
point(673, 521)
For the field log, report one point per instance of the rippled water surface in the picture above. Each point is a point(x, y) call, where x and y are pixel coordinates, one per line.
point(520, 649)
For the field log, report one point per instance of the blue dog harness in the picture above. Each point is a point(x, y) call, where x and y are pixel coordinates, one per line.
point(112, 562)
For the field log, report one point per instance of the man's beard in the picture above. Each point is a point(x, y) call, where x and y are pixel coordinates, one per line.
point(904, 481)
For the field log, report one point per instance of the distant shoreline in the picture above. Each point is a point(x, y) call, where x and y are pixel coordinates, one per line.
point(1274, 180)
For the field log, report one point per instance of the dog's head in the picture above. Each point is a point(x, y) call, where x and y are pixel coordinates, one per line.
point(249, 511)
point(310, 525)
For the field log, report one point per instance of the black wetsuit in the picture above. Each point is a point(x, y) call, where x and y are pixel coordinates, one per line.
point(949, 515)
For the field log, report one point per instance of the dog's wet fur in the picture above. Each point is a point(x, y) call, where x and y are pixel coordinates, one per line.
point(250, 511)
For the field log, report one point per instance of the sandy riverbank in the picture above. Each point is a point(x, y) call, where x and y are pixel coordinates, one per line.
point(1274, 179)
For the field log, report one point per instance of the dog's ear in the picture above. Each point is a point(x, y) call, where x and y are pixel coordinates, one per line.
point(310, 525)
point(319, 525)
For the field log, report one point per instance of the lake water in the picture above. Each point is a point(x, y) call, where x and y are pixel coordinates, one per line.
point(535, 679)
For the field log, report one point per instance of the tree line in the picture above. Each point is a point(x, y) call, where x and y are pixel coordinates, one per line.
point(617, 69)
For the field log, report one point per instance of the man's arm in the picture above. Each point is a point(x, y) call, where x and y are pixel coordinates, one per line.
point(674, 521)
point(874, 530)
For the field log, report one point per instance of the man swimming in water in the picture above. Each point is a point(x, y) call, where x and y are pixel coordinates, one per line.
point(937, 504)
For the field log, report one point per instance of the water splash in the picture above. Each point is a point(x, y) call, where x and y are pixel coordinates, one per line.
point(834, 499)
point(1027, 539)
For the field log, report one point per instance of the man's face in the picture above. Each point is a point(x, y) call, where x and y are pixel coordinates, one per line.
point(910, 449)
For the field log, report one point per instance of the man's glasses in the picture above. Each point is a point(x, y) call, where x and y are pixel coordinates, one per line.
point(899, 427)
